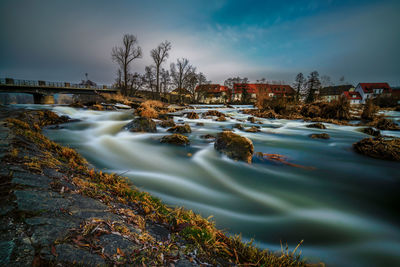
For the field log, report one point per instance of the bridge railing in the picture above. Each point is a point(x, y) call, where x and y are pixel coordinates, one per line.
point(44, 84)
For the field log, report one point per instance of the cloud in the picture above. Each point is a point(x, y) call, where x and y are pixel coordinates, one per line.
point(63, 40)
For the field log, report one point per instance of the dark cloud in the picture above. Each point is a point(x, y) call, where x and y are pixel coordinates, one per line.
point(61, 40)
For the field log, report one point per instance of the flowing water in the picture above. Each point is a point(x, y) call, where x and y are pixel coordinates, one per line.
point(345, 206)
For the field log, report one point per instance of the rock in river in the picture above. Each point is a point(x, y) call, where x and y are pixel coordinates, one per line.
point(234, 146)
point(371, 131)
point(180, 129)
point(388, 149)
point(320, 136)
point(167, 123)
point(316, 125)
point(175, 139)
point(192, 115)
point(141, 125)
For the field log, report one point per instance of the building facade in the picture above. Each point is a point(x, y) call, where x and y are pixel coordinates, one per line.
point(254, 90)
point(331, 93)
point(372, 90)
point(212, 94)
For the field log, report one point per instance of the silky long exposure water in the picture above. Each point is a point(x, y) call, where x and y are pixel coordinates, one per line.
point(344, 205)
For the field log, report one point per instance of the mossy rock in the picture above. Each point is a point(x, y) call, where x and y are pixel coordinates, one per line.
point(221, 118)
point(316, 125)
point(167, 123)
point(320, 136)
point(76, 105)
point(141, 124)
point(199, 124)
point(251, 119)
point(175, 139)
point(234, 146)
point(386, 124)
point(207, 136)
point(252, 129)
point(215, 113)
point(180, 129)
point(387, 149)
point(371, 131)
point(192, 115)
point(238, 126)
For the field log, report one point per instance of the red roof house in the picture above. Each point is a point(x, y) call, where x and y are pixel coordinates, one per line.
point(353, 97)
point(372, 90)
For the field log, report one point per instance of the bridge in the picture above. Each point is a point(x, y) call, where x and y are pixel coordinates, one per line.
point(43, 91)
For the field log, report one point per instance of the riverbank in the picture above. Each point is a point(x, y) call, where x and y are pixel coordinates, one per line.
point(57, 209)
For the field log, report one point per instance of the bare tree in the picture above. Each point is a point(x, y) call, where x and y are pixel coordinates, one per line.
point(326, 81)
point(124, 55)
point(165, 81)
point(191, 84)
point(180, 72)
point(150, 78)
point(341, 80)
point(159, 55)
point(201, 80)
point(136, 82)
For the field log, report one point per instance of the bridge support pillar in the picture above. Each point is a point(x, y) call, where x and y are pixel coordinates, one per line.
point(43, 99)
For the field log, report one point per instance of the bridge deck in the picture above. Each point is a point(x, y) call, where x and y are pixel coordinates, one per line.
point(48, 88)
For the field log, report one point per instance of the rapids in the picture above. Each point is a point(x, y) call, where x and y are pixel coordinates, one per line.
point(345, 207)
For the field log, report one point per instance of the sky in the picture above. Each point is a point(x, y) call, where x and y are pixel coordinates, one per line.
point(58, 40)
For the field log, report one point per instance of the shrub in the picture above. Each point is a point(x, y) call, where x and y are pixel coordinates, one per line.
point(369, 111)
point(150, 109)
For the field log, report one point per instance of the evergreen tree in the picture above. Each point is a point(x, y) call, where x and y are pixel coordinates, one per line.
point(299, 85)
point(313, 85)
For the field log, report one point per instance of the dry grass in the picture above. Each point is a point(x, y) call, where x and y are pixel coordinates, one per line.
point(117, 98)
point(150, 109)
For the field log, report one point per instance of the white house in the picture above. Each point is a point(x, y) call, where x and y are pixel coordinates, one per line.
point(372, 90)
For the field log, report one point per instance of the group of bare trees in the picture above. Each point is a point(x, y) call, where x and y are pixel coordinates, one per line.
point(181, 76)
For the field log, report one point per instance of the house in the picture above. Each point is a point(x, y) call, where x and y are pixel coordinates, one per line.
point(212, 93)
point(372, 90)
point(353, 97)
point(331, 93)
point(255, 90)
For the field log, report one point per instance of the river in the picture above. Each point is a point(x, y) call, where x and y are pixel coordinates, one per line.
point(345, 206)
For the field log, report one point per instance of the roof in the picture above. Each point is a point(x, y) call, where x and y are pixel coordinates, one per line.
point(253, 88)
point(335, 90)
point(352, 95)
point(212, 88)
point(369, 87)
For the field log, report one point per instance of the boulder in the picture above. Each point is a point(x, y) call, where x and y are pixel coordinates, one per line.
point(180, 129)
point(388, 149)
point(371, 131)
point(386, 124)
point(199, 124)
point(175, 139)
point(76, 105)
point(316, 125)
point(221, 118)
point(207, 136)
point(192, 115)
point(320, 136)
point(234, 146)
point(252, 129)
point(251, 119)
point(213, 113)
point(141, 124)
point(167, 123)
point(238, 126)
